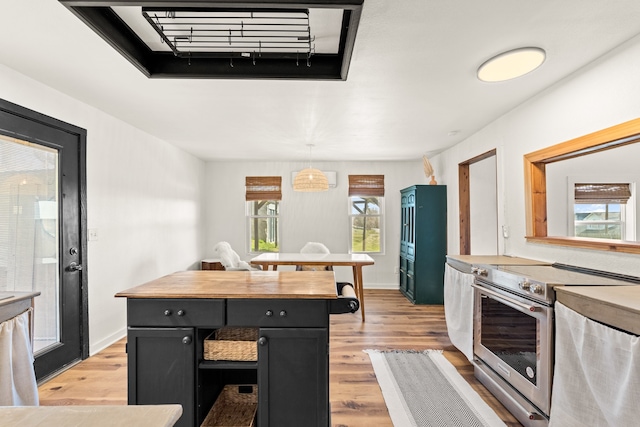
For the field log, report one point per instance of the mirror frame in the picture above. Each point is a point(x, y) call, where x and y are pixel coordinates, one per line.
point(536, 186)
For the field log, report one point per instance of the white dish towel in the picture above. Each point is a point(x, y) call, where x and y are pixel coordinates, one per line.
point(18, 385)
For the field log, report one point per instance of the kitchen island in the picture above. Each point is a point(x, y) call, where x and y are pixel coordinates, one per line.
point(169, 319)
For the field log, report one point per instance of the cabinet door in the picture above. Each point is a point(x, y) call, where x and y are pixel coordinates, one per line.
point(161, 369)
point(293, 377)
point(403, 274)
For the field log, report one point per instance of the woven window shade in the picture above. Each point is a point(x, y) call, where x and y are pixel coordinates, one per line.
point(602, 193)
point(366, 185)
point(263, 188)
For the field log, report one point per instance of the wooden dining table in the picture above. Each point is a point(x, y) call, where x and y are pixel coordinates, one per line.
point(355, 261)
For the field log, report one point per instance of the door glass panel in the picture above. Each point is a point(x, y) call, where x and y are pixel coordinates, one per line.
point(29, 240)
point(512, 336)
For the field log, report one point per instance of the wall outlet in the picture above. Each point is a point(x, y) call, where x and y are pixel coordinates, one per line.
point(396, 270)
point(93, 234)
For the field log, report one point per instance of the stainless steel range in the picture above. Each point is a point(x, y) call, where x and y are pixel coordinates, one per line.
point(514, 332)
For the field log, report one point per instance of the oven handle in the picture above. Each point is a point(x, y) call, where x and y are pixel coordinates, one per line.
point(495, 295)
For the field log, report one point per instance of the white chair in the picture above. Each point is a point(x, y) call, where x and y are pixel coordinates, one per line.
point(230, 260)
point(347, 301)
point(314, 248)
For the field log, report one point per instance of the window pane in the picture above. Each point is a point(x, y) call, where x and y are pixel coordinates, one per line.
point(263, 225)
point(29, 238)
point(365, 205)
point(598, 220)
point(365, 234)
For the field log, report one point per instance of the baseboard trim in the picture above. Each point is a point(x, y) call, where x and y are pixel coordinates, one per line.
point(382, 286)
point(97, 347)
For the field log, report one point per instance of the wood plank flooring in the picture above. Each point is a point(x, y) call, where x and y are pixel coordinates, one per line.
point(393, 323)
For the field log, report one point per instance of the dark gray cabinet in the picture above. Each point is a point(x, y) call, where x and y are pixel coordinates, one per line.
point(160, 369)
point(423, 243)
point(166, 363)
point(292, 367)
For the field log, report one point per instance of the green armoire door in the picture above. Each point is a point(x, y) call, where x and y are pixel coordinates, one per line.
point(423, 243)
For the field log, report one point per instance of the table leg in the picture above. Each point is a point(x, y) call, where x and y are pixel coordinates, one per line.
point(358, 283)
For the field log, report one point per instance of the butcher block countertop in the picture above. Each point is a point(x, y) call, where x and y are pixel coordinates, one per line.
point(617, 306)
point(219, 284)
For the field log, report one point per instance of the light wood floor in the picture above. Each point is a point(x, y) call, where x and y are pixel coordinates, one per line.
point(392, 323)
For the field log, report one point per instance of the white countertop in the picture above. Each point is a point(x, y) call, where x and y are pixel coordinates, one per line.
point(617, 306)
point(94, 416)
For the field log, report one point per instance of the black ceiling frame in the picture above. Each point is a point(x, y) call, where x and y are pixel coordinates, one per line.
point(98, 15)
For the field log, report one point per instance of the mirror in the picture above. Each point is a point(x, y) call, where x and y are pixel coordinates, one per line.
point(603, 157)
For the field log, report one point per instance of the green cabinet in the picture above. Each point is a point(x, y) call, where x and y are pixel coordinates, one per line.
point(423, 243)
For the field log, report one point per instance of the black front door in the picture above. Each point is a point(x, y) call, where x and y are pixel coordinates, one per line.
point(43, 230)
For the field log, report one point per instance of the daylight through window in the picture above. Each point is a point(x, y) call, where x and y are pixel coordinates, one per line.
point(366, 209)
point(263, 195)
point(600, 210)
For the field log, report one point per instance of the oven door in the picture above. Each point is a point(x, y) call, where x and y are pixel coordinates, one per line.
point(514, 337)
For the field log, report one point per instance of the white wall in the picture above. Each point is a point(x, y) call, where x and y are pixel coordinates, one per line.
point(601, 95)
point(483, 207)
point(308, 217)
point(144, 198)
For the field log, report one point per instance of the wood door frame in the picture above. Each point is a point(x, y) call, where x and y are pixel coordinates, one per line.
point(464, 199)
point(81, 134)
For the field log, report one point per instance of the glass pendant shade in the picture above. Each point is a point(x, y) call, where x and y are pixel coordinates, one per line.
point(310, 179)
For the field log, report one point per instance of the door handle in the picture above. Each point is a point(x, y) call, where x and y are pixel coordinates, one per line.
point(74, 266)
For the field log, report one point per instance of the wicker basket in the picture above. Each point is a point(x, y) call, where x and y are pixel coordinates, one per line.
point(235, 407)
point(232, 344)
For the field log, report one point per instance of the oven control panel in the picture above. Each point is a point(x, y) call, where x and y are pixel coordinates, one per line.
point(528, 286)
point(515, 283)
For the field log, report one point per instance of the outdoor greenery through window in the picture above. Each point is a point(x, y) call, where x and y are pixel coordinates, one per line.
point(263, 195)
point(600, 210)
point(366, 210)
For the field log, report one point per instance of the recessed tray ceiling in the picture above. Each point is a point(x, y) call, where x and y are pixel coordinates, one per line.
point(227, 39)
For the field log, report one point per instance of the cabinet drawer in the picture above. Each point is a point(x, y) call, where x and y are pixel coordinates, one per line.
point(175, 312)
point(274, 312)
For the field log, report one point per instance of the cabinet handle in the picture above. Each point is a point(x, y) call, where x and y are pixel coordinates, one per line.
point(262, 341)
point(181, 312)
point(167, 312)
point(283, 313)
point(269, 313)
point(186, 340)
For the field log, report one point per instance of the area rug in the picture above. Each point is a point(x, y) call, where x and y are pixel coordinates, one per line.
point(423, 389)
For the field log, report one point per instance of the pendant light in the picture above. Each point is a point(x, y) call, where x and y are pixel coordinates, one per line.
point(310, 179)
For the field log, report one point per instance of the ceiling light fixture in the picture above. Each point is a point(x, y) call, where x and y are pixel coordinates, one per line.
point(310, 179)
point(511, 64)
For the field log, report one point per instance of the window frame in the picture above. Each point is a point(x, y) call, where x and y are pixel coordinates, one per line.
point(627, 210)
point(251, 217)
point(365, 216)
point(262, 190)
point(363, 187)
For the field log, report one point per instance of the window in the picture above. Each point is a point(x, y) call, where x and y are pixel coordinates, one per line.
point(366, 213)
point(263, 195)
point(600, 210)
